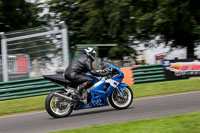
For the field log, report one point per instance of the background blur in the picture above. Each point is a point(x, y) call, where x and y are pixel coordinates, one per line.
point(129, 33)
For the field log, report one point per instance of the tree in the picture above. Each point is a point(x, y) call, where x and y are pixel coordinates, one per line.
point(177, 22)
point(96, 21)
point(73, 13)
point(18, 14)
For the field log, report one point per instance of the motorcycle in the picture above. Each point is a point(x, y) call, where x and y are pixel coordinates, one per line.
point(60, 103)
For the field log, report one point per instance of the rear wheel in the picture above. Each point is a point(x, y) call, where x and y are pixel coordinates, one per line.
point(57, 107)
point(121, 102)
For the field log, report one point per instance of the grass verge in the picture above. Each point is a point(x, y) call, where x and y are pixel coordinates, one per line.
point(139, 90)
point(185, 123)
point(16, 106)
point(164, 88)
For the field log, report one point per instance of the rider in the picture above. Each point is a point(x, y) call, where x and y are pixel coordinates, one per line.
point(83, 64)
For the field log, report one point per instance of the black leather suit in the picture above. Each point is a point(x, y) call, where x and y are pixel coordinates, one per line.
point(75, 70)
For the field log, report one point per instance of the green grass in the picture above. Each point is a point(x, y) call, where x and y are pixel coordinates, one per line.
point(140, 90)
point(22, 105)
point(163, 88)
point(185, 123)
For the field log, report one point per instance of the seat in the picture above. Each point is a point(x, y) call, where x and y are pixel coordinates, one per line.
point(58, 79)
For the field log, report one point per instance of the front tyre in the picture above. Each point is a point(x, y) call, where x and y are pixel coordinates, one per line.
point(57, 107)
point(121, 102)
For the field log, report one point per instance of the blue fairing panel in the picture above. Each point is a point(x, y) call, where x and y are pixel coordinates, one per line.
point(123, 85)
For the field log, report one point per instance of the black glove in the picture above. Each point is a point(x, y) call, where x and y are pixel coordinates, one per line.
point(106, 72)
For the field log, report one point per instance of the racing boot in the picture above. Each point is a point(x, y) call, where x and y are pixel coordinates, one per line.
point(78, 96)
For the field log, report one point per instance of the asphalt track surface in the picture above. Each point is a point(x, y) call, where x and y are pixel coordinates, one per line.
point(140, 109)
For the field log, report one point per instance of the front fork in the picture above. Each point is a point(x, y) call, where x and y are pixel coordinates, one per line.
point(120, 91)
point(120, 88)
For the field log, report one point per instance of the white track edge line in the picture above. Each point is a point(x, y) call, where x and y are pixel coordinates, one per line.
point(137, 99)
point(22, 114)
point(166, 95)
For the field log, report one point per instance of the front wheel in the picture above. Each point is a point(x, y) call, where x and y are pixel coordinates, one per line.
point(56, 106)
point(121, 102)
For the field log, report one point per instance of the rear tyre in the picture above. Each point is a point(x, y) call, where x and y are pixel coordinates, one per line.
point(57, 107)
point(121, 102)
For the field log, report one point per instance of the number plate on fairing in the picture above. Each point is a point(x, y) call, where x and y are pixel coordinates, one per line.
point(97, 102)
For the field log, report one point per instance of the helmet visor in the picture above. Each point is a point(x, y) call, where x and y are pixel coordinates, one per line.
point(93, 54)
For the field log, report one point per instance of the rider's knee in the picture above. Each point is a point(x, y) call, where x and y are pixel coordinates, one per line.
point(90, 81)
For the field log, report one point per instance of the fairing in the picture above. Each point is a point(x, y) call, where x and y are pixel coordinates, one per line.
point(98, 91)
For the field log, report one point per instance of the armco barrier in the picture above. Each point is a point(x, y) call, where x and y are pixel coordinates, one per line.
point(148, 73)
point(40, 86)
point(26, 88)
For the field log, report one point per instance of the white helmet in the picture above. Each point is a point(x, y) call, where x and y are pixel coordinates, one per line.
point(90, 52)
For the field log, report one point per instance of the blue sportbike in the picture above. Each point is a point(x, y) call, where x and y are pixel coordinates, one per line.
point(60, 103)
